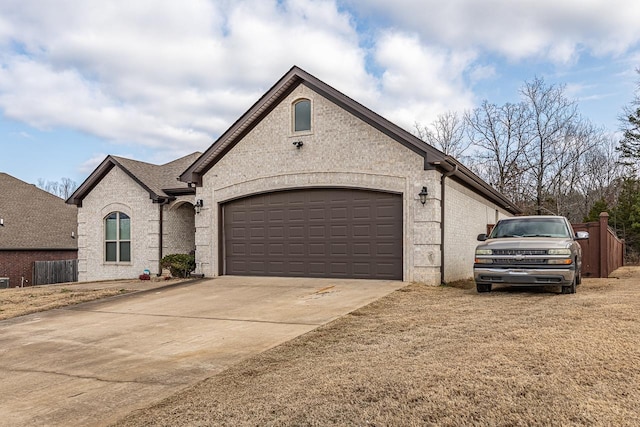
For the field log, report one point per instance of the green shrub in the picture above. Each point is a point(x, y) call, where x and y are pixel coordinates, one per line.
point(180, 265)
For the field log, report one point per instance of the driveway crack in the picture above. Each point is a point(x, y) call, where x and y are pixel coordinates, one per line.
point(88, 377)
point(174, 316)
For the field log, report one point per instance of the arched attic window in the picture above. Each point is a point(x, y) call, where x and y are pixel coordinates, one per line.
point(117, 237)
point(302, 115)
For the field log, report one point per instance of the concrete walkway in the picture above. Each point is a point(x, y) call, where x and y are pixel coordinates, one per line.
point(93, 363)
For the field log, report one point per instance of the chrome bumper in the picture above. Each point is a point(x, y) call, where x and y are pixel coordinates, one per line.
point(524, 276)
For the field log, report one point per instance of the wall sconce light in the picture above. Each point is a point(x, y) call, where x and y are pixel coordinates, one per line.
point(298, 144)
point(423, 195)
point(198, 205)
point(1, 222)
point(73, 234)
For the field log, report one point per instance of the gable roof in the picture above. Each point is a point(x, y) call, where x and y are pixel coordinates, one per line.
point(34, 219)
point(160, 181)
point(433, 158)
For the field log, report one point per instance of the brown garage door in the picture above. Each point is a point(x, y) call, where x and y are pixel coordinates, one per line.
point(314, 233)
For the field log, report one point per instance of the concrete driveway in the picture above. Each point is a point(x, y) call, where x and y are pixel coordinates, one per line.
point(93, 363)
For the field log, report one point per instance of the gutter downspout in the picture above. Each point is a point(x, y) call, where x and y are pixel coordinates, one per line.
point(442, 217)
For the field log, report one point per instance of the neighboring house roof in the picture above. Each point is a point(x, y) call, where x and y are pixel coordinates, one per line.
point(160, 181)
point(433, 158)
point(33, 219)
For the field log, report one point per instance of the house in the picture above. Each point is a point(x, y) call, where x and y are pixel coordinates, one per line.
point(34, 226)
point(308, 182)
point(130, 215)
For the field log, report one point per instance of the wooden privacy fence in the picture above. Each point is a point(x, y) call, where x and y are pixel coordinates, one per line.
point(48, 272)
point(603, 252)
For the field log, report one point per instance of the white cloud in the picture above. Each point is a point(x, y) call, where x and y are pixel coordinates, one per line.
point(165, 73)
point(550, 29)
point(419, 81)
point(172, 76)
point(90, 164)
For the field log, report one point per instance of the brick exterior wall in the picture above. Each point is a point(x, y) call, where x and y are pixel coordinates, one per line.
point(118, 192)
point(466, 215)
point(18, 264)
point(179, 227)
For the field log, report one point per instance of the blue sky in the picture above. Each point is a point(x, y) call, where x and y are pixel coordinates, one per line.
point(157, 79)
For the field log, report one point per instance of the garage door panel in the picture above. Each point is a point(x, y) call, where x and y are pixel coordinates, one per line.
point(239, 233)
point(296, 250)
point(317, 214)
point(256, 232)
point(339, 231)
point(295, 268)
point(317, 249)
point(339, 249)
point(362, 213)
point(276, 215)
point(361, 231)
point(276, 249)
point(362, 249)
point(257, 249)
point(276, 232)
point(315, 232)
point(296, 214)
point(339, 213)
point(385, 231)
point(317, 268)
point(296, 232)
point(276, 268)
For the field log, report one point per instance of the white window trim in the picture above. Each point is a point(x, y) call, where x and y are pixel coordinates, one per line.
point(117, 241)
point(293, 117)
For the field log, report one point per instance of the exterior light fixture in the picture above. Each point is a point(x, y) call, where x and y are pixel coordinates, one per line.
point(198, 205)
point(298, 144)
point(423, 195)
point(1, 222)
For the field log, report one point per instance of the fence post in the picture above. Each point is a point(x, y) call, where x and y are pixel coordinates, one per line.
point(604, 244)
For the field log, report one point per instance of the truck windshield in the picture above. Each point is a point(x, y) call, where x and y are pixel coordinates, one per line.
point(530, 227)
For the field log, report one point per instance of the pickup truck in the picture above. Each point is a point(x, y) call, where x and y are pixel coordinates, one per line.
point(530, 251)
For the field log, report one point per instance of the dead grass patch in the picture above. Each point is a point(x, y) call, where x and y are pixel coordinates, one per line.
point(20, 301)
point(443, 356)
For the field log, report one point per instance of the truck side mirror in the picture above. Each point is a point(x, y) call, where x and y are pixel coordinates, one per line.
point(582, 235)
point(482, 237)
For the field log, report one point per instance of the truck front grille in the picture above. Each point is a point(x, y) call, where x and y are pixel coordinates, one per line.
point(519, 251)
point(513, 261)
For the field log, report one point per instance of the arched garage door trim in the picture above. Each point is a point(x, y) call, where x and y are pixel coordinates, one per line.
point(313, 232)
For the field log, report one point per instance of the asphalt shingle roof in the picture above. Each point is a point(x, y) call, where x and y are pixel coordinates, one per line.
point(34, 218)
point(156, 179)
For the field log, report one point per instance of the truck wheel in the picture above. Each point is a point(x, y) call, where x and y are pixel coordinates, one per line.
point(483, 287)
point(570, 289)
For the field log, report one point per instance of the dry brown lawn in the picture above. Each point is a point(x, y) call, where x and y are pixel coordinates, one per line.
point(443, 356)
point(20, 301)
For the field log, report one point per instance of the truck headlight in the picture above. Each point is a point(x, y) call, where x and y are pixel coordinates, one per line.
point(484, 252)
point(559, 252)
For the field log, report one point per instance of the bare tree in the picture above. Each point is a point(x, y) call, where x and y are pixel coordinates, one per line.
point(568, 177)
point(67, 187)
point(447, 133)
point(501, 136)
point(551, 118)
point(535, 151)
point(62, 189)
